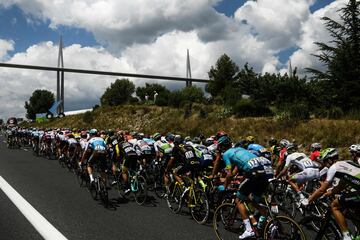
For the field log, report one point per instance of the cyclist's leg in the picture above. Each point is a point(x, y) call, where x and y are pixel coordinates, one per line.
point(91, 160)
point(349, 200)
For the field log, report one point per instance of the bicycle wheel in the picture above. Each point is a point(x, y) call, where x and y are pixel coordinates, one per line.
point(286, 202)
point(227, 222)
point(174, 197)
point(120, 185)
point(139, 187)
point(332, 232)
point(200, 211)
point(93, 189)
point(283, 227)
point(104, 195)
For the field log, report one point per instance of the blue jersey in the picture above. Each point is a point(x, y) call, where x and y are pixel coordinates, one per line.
point(244, 160)
point(97, 144)
point(255, 147)
point(149, 141)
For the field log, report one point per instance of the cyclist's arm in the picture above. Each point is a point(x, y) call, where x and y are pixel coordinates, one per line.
point(216, 164)
point(319, 192)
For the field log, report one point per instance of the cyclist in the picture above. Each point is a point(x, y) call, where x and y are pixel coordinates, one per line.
point(349, 174)
point(282, 154)
point(301, 168)
point(128, 158)
point(257, 171)
point(183, 159)
point(315, 151)
point(355, 152)
point(259, 150)
point(95, 152)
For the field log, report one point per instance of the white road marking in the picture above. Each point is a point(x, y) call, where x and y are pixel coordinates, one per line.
point(25, 149)
point(4, 141)
point(46, 230)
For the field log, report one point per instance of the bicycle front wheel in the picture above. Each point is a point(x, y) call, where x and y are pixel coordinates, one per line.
point(283, 227)
point(200, 211)
point(140, 189)
point(227, 222)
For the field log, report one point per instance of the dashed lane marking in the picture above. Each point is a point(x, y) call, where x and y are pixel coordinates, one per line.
point(46, 230)
point(25, 149)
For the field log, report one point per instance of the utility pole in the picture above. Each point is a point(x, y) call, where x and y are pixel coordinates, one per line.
point(60, 78)
point(188, 69)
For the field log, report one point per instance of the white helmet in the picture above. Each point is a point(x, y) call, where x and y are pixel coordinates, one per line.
point(355, 148)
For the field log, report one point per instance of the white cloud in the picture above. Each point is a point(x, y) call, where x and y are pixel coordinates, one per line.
point(277, 23)
point(80, 90)
point(5, 47)
point(313, 30)
point(151, 37)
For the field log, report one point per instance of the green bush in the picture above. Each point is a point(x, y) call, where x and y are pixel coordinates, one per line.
point(249, 108)
point(335, 113)
point(88, 117)
point(299, 111)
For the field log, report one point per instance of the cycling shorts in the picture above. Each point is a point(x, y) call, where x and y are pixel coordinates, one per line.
point(98, 158)
point(308, 174)
point(350, 200)
point(253, 184)
point(129, 162)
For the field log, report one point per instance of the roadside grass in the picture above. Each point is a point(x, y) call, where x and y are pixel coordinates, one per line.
point(208, 120)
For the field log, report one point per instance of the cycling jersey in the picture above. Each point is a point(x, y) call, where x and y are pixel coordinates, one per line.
point(163, 146)
point(97, 144)
point(300, 160)
point(244, 160)
point(204, 155)
point(346, 171)
point(315, 155)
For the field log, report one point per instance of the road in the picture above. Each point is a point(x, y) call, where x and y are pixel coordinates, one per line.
point(56, 195)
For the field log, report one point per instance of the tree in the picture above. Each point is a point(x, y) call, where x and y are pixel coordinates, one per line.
point(222, 75)
point(149, 90)
point(39, 102)
point(341, 56)
point(118, 93)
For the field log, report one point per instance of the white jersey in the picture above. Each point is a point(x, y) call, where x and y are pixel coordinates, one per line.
point(300, 160)
point(347, 171)
point(71, 141)
point(83, 143)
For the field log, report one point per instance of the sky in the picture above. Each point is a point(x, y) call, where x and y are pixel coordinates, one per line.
point(150, 37)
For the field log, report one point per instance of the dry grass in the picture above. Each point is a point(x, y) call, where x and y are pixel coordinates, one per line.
point(150, 119)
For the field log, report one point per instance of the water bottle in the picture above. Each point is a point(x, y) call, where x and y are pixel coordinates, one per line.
point(261, 222)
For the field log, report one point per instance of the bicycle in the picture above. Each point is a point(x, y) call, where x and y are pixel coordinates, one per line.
point(227, 222)
point(98, 189)
point(138, 186)
point(194, 198)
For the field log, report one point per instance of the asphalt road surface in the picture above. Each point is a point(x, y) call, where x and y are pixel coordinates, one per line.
point(56, 195)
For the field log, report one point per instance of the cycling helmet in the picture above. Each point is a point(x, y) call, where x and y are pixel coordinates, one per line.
point(355, 148)
point(83, 134)
point(209, 141)
point(196, 140)
point(284, 142)
point(272, 142)
point(250, 139)
point(93, 131)
point(315, 146)
point(170, 137)
point(187, 139)
point(224, 143)
point(290, 148)
point(220, 134)
point(329, 153)
point(156, 136)
point(178, 139)
point(111, 132)
point(70, 135)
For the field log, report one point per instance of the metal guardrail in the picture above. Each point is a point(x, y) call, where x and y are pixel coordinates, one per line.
point(84, 71)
